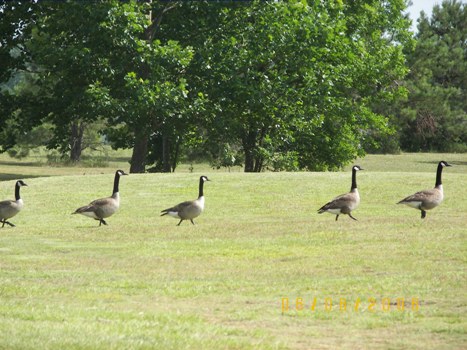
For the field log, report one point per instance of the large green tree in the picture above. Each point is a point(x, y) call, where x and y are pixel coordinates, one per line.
point(434, 117)
point(297, 79)
point(14, 20)
point(288, 84)
point(99, 60)
point(150, 108)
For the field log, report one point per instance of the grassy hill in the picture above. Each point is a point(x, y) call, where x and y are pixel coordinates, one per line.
point(143, 283)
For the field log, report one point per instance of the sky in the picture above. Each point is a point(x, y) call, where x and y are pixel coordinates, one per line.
point(418, 6)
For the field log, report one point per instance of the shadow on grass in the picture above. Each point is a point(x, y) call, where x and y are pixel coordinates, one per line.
point(9, 177)
point(452, 162)
point(6, 163)
point(118, 159)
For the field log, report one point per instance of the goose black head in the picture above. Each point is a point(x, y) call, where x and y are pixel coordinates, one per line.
point(443, 163)
point(121, 172)
point(21, 183)
point(357, 168)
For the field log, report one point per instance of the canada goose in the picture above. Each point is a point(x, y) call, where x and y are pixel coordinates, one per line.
point(428, 199)
point(104, 207)
point(345, 203)
point(10, 208)
point(190, 209)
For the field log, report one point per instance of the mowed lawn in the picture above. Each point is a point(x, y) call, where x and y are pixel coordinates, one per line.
point(143, 283)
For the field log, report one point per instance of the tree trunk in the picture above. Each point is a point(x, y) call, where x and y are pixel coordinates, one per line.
point(249, 141)
point(166, 168)
point(258, 164)
point(76, 141)
point(260, 159)
point(138, 157)
point(175, 156)
point(140, 148)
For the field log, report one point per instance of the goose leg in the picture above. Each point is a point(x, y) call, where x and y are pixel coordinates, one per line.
point(101, 221)
point(192, 221)
point(352, 217)
point(337, 217)
point(7, 222)
point(423, 213)
point(179, 222)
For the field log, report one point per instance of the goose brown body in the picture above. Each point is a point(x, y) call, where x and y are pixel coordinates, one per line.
point(428, 199)
point(345, 203)
point(9, 208)
point(102, 208)
point(188, 210)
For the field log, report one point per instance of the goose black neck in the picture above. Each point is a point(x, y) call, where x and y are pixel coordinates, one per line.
point(201, 183)
point(354, 179)
point(116, 181)
point(438, 175)
point(17, 187)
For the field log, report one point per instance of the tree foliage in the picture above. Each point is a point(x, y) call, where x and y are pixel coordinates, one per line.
point(298, 80)
point(434, 117)
point(280, 85)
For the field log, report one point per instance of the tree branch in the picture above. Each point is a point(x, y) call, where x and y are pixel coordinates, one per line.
point(151, 30)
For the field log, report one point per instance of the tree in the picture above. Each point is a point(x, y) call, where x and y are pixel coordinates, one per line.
point(61, 46)
point(434, 117)
point(14, 19)
point(298, 79)
point(290, 85)
point(152, 106)
point(101, 61)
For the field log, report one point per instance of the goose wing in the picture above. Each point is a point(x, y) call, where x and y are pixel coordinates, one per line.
point(181, 207)
point(420, 196)
point(337, 203)
point(6, 203)
point(93, 206)
point(177, 208)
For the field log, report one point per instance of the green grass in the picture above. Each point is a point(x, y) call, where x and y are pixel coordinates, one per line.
point(143, 283)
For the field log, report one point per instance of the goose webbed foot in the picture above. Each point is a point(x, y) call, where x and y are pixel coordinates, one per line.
point(423, 213)
point(101, 221)
point(7, 222)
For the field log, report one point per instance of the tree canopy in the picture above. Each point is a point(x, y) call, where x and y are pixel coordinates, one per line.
point(434, 117)
point(278, 85)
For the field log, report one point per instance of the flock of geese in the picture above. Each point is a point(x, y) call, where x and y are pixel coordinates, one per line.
point(103, 208)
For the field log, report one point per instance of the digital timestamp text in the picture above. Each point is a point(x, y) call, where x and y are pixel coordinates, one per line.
point(349, 305)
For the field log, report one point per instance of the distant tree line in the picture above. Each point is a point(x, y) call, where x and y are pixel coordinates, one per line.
point(282, 85)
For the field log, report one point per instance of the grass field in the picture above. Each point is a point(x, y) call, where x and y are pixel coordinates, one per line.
point(143, 283)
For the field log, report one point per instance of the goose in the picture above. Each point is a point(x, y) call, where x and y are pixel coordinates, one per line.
point(428, 199)
point(102, 208)
point(10, 208)
point(345, 203)
point(190, 209)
